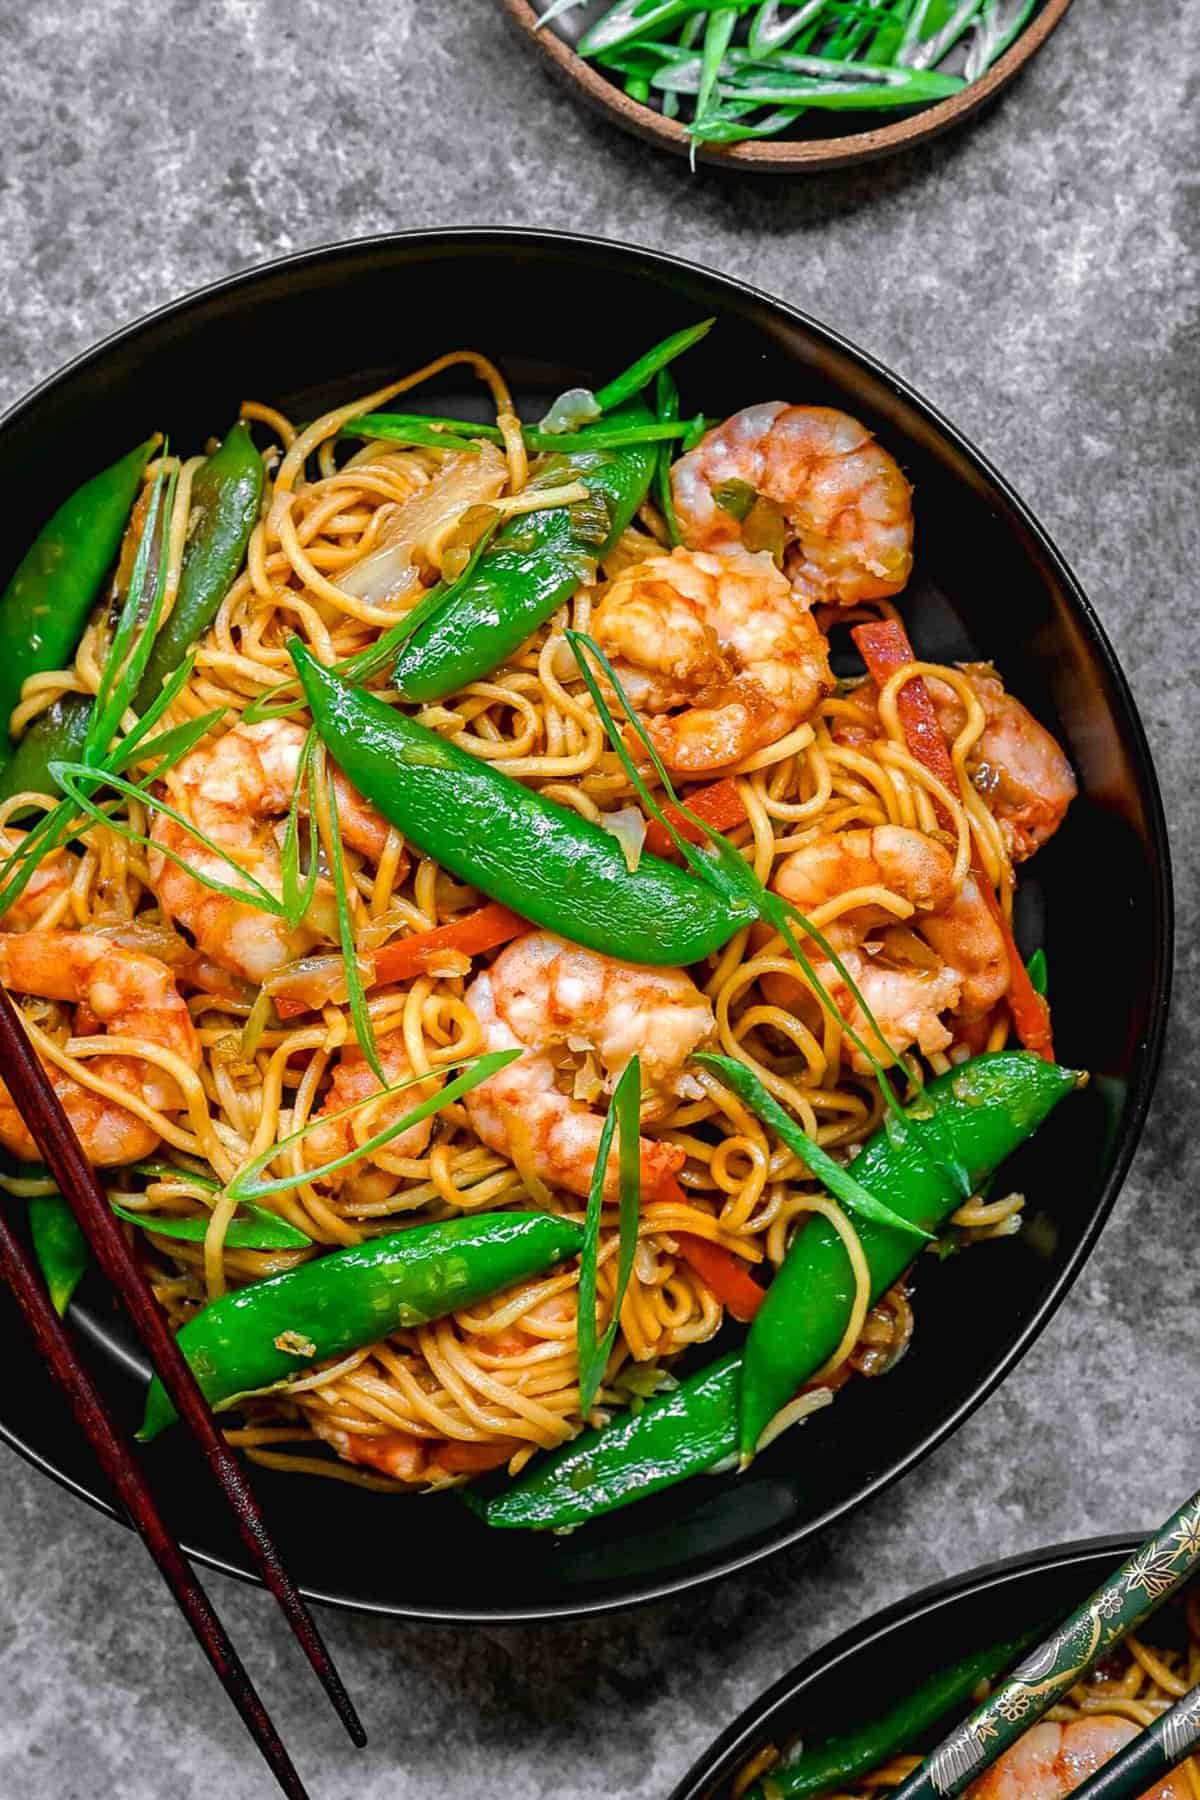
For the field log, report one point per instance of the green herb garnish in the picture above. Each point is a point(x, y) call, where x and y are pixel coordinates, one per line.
point(722, 866)
point(835, 1176)
point(751, 69)
point(624, 1116)
point(246, 1184)
point(356, 993)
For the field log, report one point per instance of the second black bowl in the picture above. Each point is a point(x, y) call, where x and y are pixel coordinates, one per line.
point(868, 1670)
point(556, 311)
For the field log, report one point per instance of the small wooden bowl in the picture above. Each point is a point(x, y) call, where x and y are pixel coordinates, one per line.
point(780, 156)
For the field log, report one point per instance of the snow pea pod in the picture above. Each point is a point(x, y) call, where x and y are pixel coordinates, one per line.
point(225, 497)
point(57, 735)
point(684, 1432)
point(45, 606)
point(532, 566)
point(226, 494)
point(59, 1245)
point(251, 1228)
point(540, 859)
point(272, 1329)
point(841, 1761)
point(976, 1116)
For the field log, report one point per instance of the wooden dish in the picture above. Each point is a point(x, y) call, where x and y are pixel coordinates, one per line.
point(780, 156)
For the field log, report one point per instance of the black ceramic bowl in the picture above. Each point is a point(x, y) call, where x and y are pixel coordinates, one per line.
point(871, 1668)
point(555, 311)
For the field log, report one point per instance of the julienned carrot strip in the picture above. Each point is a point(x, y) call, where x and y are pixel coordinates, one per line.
point(723, 1274)
point(884, 648)
point(486, 929)
point(719, 805)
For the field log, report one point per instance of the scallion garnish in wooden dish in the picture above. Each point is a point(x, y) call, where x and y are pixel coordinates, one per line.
point(754, 68)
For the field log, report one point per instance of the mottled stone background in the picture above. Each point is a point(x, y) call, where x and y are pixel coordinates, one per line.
point(1033, 275)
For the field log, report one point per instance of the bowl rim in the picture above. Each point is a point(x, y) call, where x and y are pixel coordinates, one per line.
point(782, 156)
point(640, 260)
point(737, 1742)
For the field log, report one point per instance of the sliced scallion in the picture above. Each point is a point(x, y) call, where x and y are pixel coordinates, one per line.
point(623, 1117)
point(834, 1175)
point(721, 865)
point(246, 1184)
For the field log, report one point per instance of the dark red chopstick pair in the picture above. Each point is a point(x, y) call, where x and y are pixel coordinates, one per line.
point(29, 1085)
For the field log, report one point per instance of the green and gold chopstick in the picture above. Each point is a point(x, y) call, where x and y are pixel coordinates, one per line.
point(1137, 1589)
point(1150, 1756)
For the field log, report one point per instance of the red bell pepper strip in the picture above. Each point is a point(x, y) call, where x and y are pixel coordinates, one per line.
point(1030, 1014)
point(719, 805)
point(885, 648)
point(723, 1274)
point(485, 929)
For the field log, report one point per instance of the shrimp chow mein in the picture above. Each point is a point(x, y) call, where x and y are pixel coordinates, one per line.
point(1131, 1686)
point(486, 948)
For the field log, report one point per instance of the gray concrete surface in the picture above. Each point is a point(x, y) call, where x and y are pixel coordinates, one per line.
point(1035, 276)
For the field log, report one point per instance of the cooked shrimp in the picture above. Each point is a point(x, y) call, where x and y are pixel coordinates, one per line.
point(548, 998)
point(723, 637)
point(408, 1458)
point(961, 966)
point(33, 908)
point(1051, 1760)
point(968, 939)
point(907, 862)
point(232, 791)
point(1016, 764)
point(396, 1453)
point(132, 995)
point(847, 507)
point(355, 1080)
point(1018, 767)
point(907, 1005)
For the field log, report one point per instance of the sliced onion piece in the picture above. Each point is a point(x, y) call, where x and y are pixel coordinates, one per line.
point(392, 570)
point(628, 826)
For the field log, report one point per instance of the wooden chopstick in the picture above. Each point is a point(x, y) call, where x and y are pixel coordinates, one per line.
point(125, 1474)
point(1120, 1604)
point(1149, 1757)
point(30, 1087)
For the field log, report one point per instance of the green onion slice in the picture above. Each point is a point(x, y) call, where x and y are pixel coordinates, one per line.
point(624, 1115)
point(721, 865)
point(835, 1176)
point(246, 1184)
point(133, 639)
point(360, 1014)
point(69, 777)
